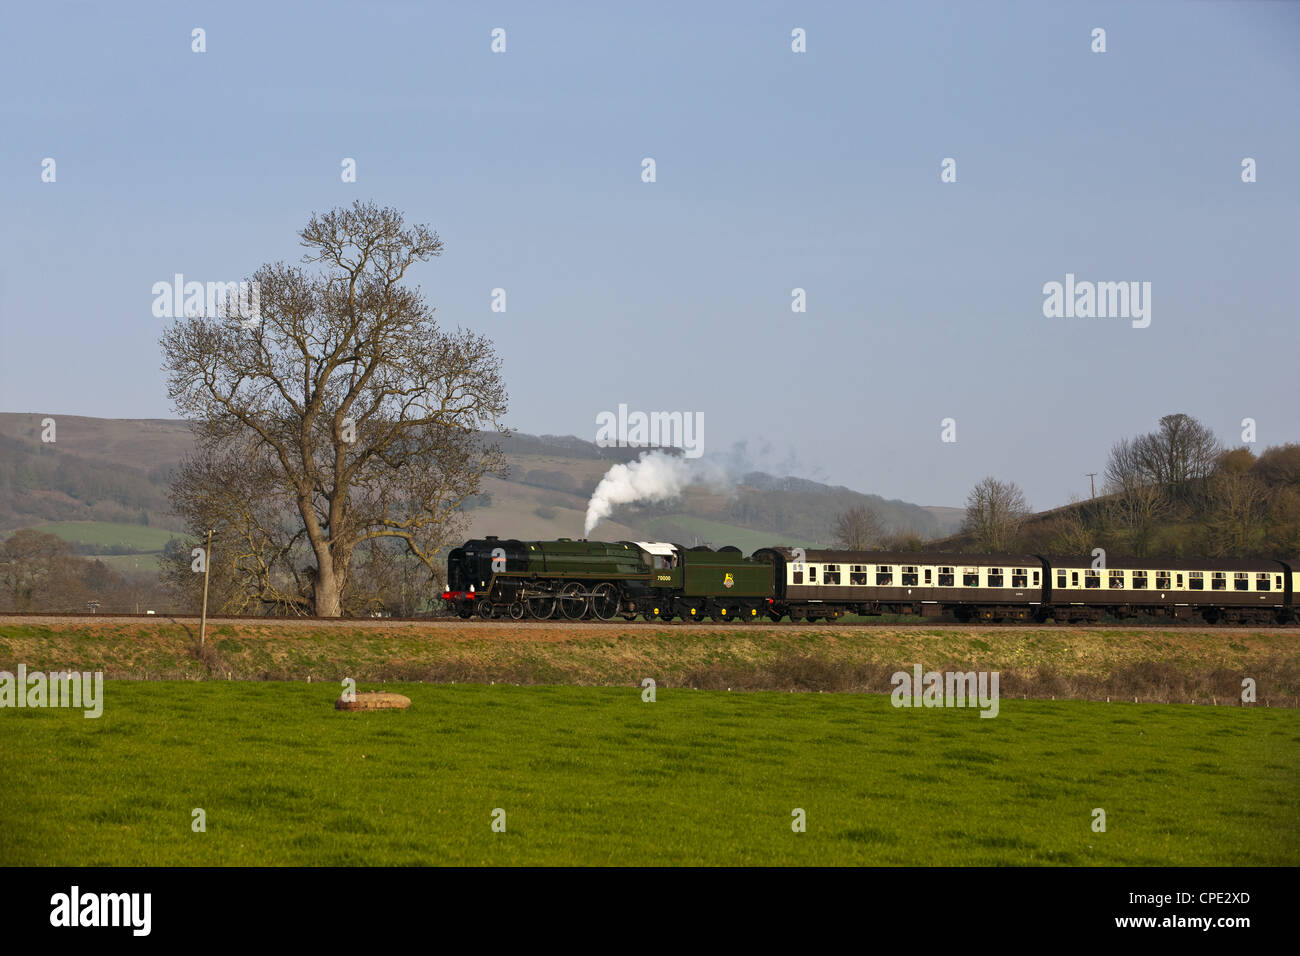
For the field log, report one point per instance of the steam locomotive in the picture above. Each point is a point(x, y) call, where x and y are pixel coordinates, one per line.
point(576, 580)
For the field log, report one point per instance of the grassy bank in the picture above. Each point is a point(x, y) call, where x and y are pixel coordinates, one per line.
point(1184, 666)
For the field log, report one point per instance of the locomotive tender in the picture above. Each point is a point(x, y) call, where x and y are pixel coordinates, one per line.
point(602, 580)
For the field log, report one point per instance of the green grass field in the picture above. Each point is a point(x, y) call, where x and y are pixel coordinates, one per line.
point(594, 775)
point(108, 534)
point(130, 563)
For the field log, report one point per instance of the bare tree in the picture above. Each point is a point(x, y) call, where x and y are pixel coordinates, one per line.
point(41, 572)
point(901, 540)
point(1181, 450)
point(368, 412)
point(858, 529)
point(1138, 499)
point(1238, 511)
point(1070, 532)
point(390, 581)
point(995, 511)
point(1280, 465)
point(259, 555)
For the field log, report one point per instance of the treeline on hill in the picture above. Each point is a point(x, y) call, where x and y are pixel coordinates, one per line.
point(41, 572)
point(1174, 491)
point(798, 509)
point(1239, 505)
point(566, 446)
point(807, 508)
point(47, 483)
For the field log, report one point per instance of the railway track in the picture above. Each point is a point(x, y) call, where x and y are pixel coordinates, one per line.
point(444, 622)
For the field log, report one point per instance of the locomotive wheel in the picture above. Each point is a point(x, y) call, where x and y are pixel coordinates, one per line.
point(572, 603)
point(774, 616)
point(542, 608)
point(604, 602)
point(691, 612)
point(517, 610)
point(484, 609)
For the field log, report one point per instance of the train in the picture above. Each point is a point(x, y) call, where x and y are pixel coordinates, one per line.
point(574, 580)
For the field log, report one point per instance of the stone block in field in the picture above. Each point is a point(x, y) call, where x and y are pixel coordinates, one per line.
point(378, 700)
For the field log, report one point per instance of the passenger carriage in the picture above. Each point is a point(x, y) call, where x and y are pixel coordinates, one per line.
point(1212, 589)
point(813, 584)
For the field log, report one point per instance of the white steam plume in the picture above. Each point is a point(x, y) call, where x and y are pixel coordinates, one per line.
point(655, 476)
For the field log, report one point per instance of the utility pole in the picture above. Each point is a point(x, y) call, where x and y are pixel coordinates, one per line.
point(207, 562)
point(1092, 486)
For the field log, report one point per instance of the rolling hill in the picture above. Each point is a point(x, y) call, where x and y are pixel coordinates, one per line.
point(102, 485)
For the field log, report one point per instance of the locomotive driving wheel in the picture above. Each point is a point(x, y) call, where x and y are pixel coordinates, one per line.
point(573, 601)
point(542, 606)
point(517, 610)
point(483, 607)
point(604, 602)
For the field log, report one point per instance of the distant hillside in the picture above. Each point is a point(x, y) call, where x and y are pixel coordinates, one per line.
point(97, 469)
point(101, 475)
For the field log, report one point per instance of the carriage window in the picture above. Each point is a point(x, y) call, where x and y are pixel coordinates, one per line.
point(858, 574)
point(928, 572)
point(831, 574)
point(798, 577)
point(1036, 577)
point(909, 575)
point(1117, 579)
point(1195, 580)
point(1139, 580)
point(1092, 579)
point(1060, 579)
point(884, 574)
point(970, 577)
point(1219, 581)
point(1162, 580)
point(1180, 580)
point(812, 574)
point(946, 577)
point(1074, 579)
point(995, 577)
point(1020, 577)
point(1241, 581)
point(1263, 582)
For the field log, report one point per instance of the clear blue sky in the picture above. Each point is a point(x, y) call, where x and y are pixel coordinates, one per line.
point(775, 171)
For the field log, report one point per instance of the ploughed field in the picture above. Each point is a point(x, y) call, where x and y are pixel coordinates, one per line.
point(597, 775)
point(1181, 665)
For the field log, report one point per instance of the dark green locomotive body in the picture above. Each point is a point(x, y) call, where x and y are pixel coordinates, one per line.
point(603, 579)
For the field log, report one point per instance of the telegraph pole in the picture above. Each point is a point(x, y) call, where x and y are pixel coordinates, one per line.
point(207, 562)
point(1092, 486)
